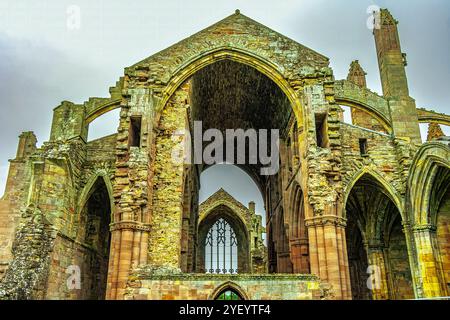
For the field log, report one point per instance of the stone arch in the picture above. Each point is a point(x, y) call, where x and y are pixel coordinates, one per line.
point(101, 109)
point(270, 70)
point(354, 96)
point(376, 241)
point(426, 164)
point(222, 210)
point(369, 110)
point(95, 233)
point(389, 190)
point(297, 231)
point(229, 285)
point(88, 189)
point(429, 212)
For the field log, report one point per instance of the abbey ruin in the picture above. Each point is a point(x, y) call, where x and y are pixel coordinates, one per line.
point(355, 211)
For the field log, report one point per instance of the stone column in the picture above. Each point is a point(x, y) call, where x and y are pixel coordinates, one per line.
point(284, 264)
point(128, 250)
point(328, 253)
point(431, 279)
point(375, 257)
point(299, 253)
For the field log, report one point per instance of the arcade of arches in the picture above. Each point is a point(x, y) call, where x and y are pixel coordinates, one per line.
point(354, 211)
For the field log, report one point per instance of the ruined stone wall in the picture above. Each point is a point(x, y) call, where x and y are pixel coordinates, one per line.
point(381, 156)
point(165, 240)
point(147, 284)
point(15, 198)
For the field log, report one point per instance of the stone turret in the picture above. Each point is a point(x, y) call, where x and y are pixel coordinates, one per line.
point(391, 63)
point(434, 132)
point(357, 75)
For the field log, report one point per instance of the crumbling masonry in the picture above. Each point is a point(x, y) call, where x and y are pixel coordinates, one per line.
point(356, 211)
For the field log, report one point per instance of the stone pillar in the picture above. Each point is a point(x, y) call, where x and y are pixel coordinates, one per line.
point(299, 255)
point(328, 253)
point(131, 189)
point(284, 264)
point(431, 278)
point(128, 250)
point(375, 257)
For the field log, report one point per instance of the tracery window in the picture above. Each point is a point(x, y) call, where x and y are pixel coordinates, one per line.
point(221, 248)
point(228, 294)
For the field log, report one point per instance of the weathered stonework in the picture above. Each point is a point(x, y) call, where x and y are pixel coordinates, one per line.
point(118, 218)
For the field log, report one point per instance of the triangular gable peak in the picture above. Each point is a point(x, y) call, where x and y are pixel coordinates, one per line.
point(221, 197)
point(236, 32)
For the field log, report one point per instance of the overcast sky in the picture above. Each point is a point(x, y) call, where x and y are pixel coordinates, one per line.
point(43, 62)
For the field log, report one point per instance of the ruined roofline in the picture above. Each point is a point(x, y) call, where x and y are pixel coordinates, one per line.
point(216, 195)
point(204, 30)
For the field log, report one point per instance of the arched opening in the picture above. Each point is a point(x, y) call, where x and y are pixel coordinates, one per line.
point(104, 125)
point(357, 116)
point(298, 234)
point(228, 291)
point(223, 243)
point(224, 95)
point(228, 294)
point(96, 217)
point(376, 245)
point(221, 248)
point(439, 215)
point(280, 243)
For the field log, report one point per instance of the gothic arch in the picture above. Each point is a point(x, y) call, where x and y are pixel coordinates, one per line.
point(297, 232)
point(270, 70)
point(88, 189)
point(388, 189)
point(375, 238)
point(351, 95)
point(424, 168)
point(229, 285)
point(96, 216)
point(223, 211)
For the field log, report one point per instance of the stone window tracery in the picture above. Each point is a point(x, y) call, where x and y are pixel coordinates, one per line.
point(221, 249)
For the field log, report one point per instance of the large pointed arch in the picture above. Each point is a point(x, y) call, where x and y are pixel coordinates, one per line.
point(376, 239)
point(425, 166)
point(388, 189)
point(270, 70)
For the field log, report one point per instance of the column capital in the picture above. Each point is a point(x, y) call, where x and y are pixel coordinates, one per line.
point(326, 220)
point(375, 245)
point(424, 228)
point(129, 225)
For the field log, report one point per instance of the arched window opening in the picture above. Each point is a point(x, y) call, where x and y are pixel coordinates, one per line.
point(104, 125)
point(97, 237)
point(229, 294)
point(221, 249)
